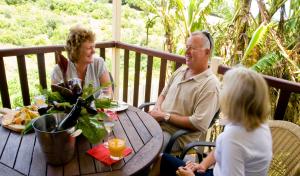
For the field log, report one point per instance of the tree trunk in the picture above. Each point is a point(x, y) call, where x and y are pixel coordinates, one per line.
point(241, 23)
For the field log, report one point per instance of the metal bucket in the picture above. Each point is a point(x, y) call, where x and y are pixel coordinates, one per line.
point(57, 146)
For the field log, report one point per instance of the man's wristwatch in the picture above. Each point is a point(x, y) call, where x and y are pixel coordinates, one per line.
point(167, 117)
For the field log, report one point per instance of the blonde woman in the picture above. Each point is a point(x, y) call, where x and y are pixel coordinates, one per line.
point(245, 146)
point(82, 63)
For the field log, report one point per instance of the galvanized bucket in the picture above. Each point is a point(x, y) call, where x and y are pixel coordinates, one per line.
point(58, 146)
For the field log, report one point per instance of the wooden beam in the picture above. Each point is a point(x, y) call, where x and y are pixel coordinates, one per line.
point(3, 87)
point(116, 28)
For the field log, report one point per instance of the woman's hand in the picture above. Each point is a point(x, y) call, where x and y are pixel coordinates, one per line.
point(191, 165)
point(200, 168)
point(195, 167)
point(184, 171)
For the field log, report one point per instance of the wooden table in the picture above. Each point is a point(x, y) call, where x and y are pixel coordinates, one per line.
point(21, 155)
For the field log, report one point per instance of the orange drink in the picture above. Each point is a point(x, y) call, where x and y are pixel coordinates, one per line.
point(116, 147)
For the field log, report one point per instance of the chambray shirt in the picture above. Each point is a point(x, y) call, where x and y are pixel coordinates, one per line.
point(196, 97)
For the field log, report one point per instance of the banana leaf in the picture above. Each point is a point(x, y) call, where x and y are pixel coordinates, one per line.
point(257, 36)
point(266, 62)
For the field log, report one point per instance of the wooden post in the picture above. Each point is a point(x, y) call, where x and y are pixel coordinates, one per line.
point(215, 62)
point(116, 28)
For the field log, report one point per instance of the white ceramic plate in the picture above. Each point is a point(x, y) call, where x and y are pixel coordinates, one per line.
point(121, 107)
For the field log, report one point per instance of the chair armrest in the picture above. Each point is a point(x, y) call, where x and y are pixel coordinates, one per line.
point(142, 106)
point(173, 138)
point(195, 144)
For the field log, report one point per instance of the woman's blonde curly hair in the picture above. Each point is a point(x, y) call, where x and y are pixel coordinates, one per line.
point(76, 37)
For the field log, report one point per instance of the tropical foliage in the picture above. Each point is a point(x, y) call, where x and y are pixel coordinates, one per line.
point(267, 41)
point(263, 42)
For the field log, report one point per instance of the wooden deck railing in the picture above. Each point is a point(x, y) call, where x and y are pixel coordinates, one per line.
point(286, 87)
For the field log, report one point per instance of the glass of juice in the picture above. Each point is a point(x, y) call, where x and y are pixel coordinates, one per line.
point(116, 147)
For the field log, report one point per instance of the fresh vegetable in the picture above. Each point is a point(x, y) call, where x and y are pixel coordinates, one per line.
point(28, 127)
point(65, 92)
point(105, 103)
point(91, 127)
point(71, 119)
point(89, 121)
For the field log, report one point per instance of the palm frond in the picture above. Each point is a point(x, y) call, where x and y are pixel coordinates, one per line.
point(199, 8)
point(152, 6)
point(180, 14)
point(267, 62)
point(257, 36)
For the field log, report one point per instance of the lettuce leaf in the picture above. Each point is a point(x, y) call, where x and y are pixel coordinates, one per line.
point(92, 129)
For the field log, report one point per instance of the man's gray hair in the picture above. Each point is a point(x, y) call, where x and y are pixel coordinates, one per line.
point(209, 43)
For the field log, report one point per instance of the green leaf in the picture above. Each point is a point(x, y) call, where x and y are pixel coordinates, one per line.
point(257, 36)
point(105, 103)
point(100, 116)
point(92, 129)
point(28, 127)
point(52, 96)
point(267, 62)
point(90, 90)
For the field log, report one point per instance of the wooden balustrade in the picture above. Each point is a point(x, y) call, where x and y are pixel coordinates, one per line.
point(286, 87)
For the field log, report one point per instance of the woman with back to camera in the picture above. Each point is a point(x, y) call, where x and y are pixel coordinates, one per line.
point(82, 63)
point(245, 146)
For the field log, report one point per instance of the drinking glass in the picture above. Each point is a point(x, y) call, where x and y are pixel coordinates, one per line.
point(109, 124)
point(105, 97)
point(116, 147)
point(40, 101)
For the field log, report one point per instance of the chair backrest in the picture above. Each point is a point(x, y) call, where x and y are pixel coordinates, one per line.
point(286, 148)
point(216, 116)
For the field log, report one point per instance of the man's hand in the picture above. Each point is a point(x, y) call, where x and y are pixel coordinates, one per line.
point(157, 115)
point(184, 171)
point(156, 108)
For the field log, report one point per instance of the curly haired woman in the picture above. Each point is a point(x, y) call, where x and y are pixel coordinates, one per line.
point(82, 63)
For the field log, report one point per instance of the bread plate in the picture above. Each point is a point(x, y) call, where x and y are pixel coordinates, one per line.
point(11, 117)
point(121, 106)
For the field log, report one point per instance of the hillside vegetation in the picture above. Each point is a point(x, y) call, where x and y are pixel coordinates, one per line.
point(39, 22)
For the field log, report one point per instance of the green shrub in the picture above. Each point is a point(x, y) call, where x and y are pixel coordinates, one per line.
point(48, 23)
point(14, 2)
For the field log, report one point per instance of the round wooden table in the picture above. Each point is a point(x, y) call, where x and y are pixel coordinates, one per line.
point(21, 155)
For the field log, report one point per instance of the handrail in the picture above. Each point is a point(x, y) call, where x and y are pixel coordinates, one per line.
point(279, 83)
point(286, 87)
point(45, 49)
point(151, 52)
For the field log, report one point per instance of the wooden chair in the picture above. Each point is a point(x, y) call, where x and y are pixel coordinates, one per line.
point(286, 148)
